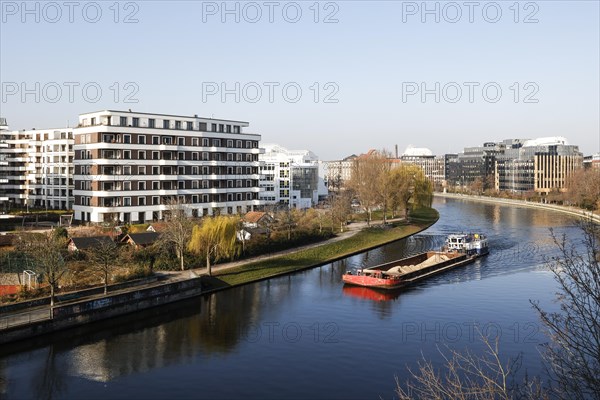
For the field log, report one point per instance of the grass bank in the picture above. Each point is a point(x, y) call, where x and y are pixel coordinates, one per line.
point(303, 259)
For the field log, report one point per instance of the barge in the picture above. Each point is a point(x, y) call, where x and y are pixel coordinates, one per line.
point(458, 250)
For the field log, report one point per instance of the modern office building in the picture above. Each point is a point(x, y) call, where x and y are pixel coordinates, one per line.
point(472, 164)
point(129, 166)
point(542, 165)
point(290, 177)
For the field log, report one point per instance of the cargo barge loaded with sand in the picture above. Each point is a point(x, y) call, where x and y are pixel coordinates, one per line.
point(459, 250)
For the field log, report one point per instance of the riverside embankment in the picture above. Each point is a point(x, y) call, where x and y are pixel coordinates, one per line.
point(572, 211)
point(26, 323)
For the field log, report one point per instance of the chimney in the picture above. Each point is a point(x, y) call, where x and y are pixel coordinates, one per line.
point(396, 151)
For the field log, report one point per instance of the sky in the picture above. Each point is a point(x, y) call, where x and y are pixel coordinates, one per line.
point(337, 78)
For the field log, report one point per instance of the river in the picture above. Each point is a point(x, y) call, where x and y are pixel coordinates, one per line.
point(305, 335)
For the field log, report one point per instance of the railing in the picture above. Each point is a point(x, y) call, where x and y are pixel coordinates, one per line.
point(24, 318)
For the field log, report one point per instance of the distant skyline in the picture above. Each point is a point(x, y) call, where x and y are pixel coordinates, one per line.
point(362, 69)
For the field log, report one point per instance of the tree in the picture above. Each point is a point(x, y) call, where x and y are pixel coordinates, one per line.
point(341, 208)
point(583, 188)
point(47, 251)
point(411, 186)
point(365, 181)
point(468, 376)
point(103, 257)
point(177, 230)
point(215, 239)
point(573, 353)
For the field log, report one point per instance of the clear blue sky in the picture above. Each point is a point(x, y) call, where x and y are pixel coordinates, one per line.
point(175, 49)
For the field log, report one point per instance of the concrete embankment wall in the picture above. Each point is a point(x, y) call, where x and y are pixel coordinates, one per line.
point(83, 312)
point(576, 212)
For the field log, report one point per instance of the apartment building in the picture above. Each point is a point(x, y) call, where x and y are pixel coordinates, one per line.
point(290, 177)
point(3, 162)
point(37, 168)
point(337, 172)
point(130, 165)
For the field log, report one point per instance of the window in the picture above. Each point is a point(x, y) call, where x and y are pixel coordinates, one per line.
point(205, 199)
point(204, 184)
point(141, 201)
point(155, 200)
point(238, 144)
point(127, 185)
point(166, 124)
point(204, 156)
point(217, 142)
point(181, 155)
point(221, 128)
point(238, 183)
point(93, 121)
point(127, 170)
point(167, 140)
point(213, 127)
point(195, 141)
point(127, 201)
point(142, 170)
point(155, 170)
point(230, 184)
point(135, 121)
point(194, 170)
point(127, 154)
point(177, 124)
point(141, 139)
point(229, 143)
point(181, 170)
point(141, 185)
point(123, 121)
point(195, 156)
point(195, 199)
point(155, 185)
point(189, 125)
point(236, 129)
point(151, 123)
point(141, 155)
point(205, 142)
point(181, 141)
point(155, 140)
point(195, 185)
point(155, 155)
point(248, 144)
point(228, 128)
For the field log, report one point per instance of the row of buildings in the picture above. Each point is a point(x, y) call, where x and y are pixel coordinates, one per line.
point(541, 165)
point(127, 166)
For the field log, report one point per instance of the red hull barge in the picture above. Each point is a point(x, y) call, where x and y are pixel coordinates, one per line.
point(407, 271)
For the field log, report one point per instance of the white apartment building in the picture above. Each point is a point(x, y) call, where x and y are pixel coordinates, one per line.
point(36, 167)
point(130, 165)
point(3, 161)
point(290, 177)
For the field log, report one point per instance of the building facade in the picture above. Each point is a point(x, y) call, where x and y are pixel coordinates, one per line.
point(130, 166)
point(434, 167)
point(37, 168)
point(290, 177)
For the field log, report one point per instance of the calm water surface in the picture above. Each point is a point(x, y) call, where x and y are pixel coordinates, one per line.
point(305, 335)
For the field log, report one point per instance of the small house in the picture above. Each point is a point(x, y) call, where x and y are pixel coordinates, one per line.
point(257, 219)
point(83, 243)
point(141, 240)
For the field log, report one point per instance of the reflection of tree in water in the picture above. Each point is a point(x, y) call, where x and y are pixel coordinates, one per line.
point(50, 378)
point(226, 317)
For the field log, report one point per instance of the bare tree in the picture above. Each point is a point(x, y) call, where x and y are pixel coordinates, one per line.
point(468, 376)
point(178, 229)
point(340, 209)
point(573, 354)
point(364, 182)
point(47, 252)
point(583, 188)
point(103, 255)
